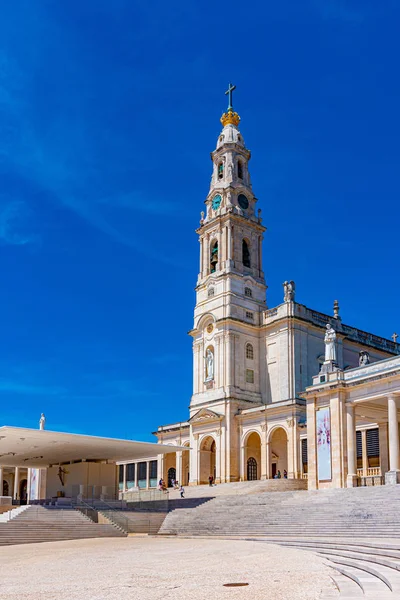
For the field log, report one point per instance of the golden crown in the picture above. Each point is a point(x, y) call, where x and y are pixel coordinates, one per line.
point(230, 118)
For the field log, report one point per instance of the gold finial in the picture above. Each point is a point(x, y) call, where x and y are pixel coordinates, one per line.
point(230, 118)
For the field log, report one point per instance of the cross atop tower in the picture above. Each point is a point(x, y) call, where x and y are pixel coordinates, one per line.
point(229, 94)
point(394, 337)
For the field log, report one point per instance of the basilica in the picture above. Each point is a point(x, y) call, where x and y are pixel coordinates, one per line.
point(272, 392)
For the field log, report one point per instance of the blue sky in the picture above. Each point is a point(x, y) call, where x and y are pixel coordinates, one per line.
point(108, 112)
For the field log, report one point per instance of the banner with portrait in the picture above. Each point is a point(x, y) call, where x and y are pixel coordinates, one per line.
point(324, 444)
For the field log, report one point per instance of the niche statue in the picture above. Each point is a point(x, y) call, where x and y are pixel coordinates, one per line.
point(209, 365)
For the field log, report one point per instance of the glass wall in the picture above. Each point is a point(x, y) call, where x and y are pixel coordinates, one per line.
point(153, 473)
point(142, 474)
point(130, 476)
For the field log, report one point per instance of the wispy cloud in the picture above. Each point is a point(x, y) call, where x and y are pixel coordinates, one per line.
point(51, 138)
point(14, 223)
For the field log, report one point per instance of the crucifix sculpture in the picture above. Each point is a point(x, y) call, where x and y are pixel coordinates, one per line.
point(394, 337)
point(229, 94)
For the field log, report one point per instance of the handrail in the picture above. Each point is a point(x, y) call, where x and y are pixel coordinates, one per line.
point(116, 520)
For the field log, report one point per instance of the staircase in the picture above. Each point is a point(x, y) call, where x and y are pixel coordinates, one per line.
point(12, 513)
point(135, 521)
point(356, 512)
point(360, 569)
point(40, 524)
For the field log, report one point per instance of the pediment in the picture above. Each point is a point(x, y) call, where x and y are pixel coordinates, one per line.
point(204, 414)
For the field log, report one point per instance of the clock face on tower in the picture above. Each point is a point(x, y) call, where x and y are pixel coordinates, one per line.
point(243, 202)
point(216, 203)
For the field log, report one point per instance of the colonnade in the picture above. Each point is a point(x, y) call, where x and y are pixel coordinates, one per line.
point(14, 477)
point(391, 476)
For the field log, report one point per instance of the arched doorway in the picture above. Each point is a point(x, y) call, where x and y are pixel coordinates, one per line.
point(207, 459)
point(169, 467)
point(23, 491)
point(251, 469)
point(278, 452)
point(252, 456)
point(6, 488)
point(171, 476)
point(185, 466)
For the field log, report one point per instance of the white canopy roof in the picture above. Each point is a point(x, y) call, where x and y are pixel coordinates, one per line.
point(20, 447)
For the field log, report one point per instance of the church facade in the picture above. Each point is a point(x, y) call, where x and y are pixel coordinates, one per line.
point(249, 417)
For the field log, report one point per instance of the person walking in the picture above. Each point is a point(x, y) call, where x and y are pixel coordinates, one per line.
point(182, 491)
point(210, 481)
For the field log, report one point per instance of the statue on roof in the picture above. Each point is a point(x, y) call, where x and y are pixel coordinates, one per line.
point(42, 422)
point(363, 358)
point(289, 290)
point(330, 344)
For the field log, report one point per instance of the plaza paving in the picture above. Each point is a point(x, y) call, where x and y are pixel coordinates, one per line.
point(148, 568)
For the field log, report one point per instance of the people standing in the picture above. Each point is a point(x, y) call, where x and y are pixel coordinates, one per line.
point(182, 491)
point(210, 481)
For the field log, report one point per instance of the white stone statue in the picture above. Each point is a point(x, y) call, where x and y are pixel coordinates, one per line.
point(330, 343)
point(230, 170)
point(289, 289)
point(209, 365)
point(42, 422)
point(363, 358)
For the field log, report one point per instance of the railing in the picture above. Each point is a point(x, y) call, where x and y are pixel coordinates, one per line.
point(304, 475)
point(141, 498)
point(369, 472)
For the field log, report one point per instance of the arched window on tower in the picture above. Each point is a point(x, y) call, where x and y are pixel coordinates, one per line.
point(220, 170)
point(248, 292)
point(214, 257)
point(240, 169)
point(249, 352)
point(246, 254)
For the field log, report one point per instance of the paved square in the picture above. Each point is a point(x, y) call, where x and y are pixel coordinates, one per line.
point(156, 568)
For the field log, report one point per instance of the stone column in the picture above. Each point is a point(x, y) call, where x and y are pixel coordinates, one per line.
point(264, 452)
point(311, 445)
point(16, 482)
point(218, 458)
point(201, 257)
point(242, 463)
point(206, 254)
point(147, 474)
point(1, 481)
point(269, 461)
point(124, 479)
point(393, 475)
point(160, 467)
point(229, 260)
point(383, 448)
point(194, 458)
point(135, 475)
point(178, 464)
point(364, 452)
point(292, 454)
point(351, 446)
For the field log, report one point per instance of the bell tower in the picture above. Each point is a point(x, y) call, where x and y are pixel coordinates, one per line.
point(230, 290)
